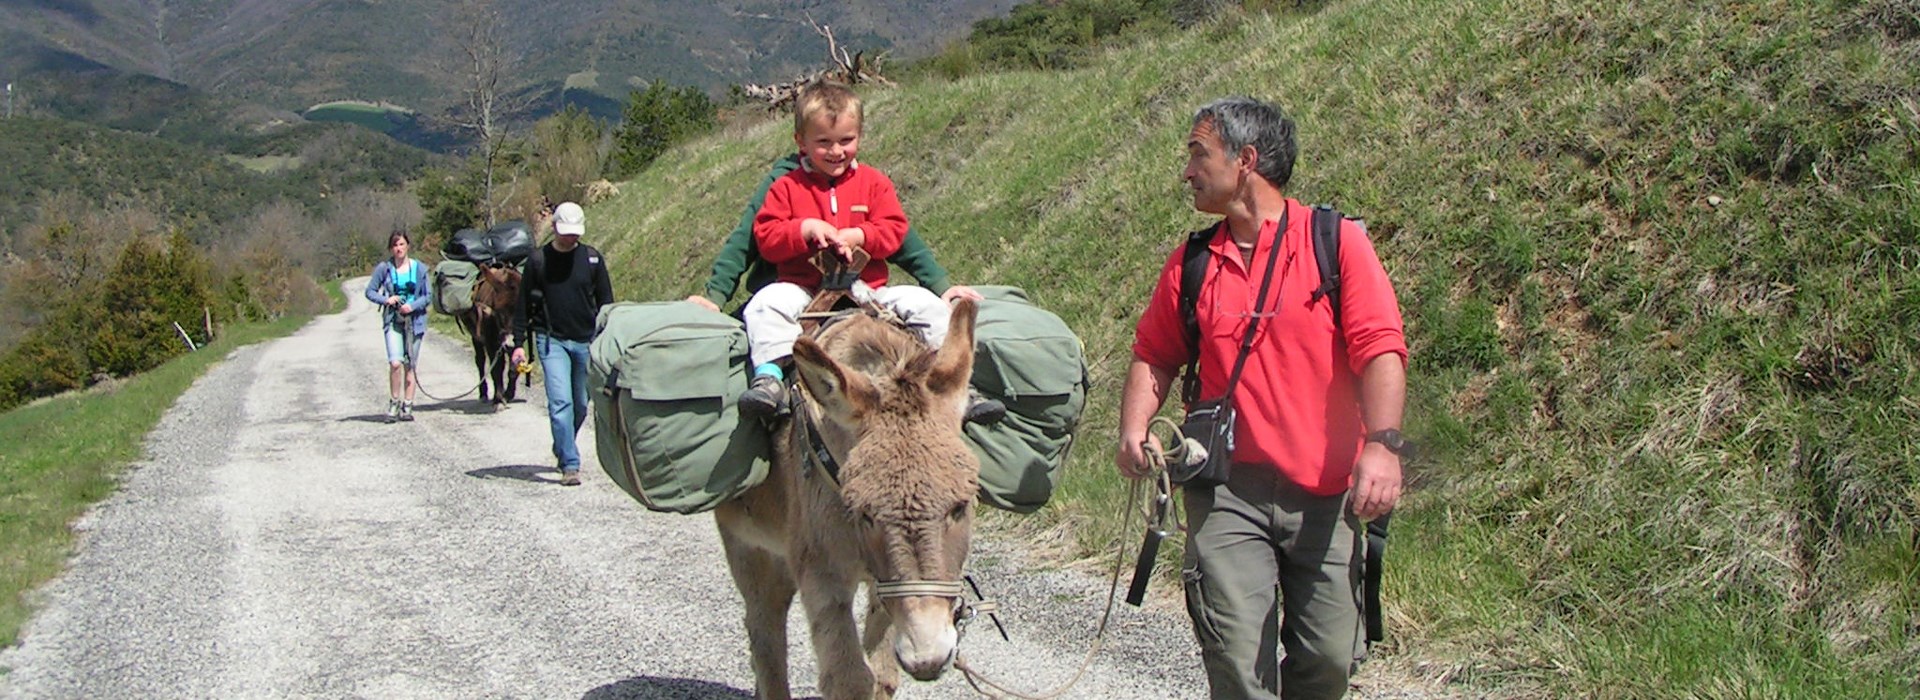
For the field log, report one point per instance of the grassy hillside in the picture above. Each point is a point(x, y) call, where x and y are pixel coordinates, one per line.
point(106, 167)
point(1657, 262)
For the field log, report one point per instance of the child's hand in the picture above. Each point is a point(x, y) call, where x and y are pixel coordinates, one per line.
point(819, 235)
point(842, 248)
point(853, 237)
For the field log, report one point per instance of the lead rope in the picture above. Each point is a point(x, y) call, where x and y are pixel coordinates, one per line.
point(1157, 462)
point(407, 337)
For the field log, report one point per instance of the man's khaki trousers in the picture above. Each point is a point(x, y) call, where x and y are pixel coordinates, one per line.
point(1271, 567)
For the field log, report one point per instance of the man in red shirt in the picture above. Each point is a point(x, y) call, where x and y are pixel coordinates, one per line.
point(1318, 416)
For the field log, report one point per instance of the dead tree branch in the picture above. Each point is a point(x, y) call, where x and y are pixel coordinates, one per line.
point(852, 69)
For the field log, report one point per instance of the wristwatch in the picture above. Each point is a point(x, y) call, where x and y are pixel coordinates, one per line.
point(1393, 441)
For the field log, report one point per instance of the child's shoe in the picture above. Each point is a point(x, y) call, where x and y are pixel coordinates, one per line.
point(766, 398)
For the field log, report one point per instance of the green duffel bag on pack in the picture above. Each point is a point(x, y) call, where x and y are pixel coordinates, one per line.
point(1027, 358)
point(453, 282)
point(665, 377)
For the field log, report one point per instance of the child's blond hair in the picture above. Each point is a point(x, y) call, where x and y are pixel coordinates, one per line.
point(826, 98)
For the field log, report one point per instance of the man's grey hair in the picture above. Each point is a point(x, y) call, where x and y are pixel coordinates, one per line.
point(1244, 121)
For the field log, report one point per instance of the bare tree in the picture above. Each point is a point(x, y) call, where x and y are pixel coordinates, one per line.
point(486, 67)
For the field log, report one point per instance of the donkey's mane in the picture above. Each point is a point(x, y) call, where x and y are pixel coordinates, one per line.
point(871, 346)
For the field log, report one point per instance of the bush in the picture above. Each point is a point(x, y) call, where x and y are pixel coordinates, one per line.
point(655, 119)
point(149, 292)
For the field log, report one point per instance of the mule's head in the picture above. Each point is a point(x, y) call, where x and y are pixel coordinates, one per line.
point(499, 287)
point(891, 413)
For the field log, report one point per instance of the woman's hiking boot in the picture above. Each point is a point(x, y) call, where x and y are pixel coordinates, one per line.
point(406, 411)
point(765, 398)
point(393, 410)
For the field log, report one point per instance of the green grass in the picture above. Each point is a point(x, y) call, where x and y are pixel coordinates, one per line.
point(61, 455)
point(1657, 261)
point(267, 164)
point(378, 117)
point(583, 80)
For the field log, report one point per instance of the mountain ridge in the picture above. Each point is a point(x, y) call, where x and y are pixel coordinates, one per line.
point(290, 54)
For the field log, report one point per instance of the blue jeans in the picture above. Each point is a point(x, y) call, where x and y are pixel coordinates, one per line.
point(563, 363)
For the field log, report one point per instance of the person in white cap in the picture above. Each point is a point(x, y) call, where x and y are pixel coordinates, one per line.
point(561, 293)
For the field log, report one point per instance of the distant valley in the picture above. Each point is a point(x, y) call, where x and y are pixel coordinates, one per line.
point(254, 61)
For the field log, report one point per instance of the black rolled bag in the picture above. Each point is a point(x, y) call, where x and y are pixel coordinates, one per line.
point(509, 242)
point(468, 245)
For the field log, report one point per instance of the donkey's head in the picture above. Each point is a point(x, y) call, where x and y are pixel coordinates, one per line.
point(498, 288)
point(891, 414)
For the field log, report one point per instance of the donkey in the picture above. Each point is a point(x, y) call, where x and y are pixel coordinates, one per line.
point(495, 297)
point(898, 516)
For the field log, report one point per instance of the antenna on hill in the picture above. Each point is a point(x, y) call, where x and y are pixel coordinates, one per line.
point(9, 100)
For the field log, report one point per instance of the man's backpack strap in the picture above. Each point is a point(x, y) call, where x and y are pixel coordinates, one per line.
point(1326, 253)
point(1193, 272)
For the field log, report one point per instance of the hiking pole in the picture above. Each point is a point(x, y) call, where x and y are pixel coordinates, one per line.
point(1150, 546)
point(1186, 451)
point(1370, 577)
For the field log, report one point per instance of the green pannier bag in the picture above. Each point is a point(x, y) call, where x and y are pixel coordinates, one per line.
point(665, 377)
point(1029, 359)
point(453, 282)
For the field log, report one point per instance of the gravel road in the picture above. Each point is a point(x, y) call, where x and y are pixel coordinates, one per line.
point(281, 540)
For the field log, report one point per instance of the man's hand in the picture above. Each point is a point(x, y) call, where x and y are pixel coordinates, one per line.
point(1131, 458)
point(406, 308)
point(393, 301)
point(704, 302)
point(958, 292)
point(1376, 481)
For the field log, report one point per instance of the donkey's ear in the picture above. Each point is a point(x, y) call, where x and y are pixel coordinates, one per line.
point(840, 391)
point(953, 364)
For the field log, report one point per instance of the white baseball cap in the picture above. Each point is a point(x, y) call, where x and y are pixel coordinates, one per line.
point(569, 219)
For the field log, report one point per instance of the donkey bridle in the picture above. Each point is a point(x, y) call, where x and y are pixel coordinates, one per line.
point(819, 457)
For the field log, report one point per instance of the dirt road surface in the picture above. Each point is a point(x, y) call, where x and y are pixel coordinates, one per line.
point(280, 539)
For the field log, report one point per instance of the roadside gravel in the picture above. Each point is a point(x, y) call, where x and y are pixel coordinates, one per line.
point(279, 539)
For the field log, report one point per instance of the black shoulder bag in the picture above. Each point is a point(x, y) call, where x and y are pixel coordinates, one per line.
point(1210, 423)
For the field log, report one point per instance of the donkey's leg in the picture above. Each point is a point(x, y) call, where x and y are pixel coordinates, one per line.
point(877, 639)
point(828, 598)
point(472, 328)
point(498, 371)
point(512, 386)
point(767, 588)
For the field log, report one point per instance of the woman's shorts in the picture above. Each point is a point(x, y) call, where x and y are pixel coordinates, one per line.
point(396, 349)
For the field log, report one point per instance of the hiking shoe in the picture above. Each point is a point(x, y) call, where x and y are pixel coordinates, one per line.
point(983, 410)
point(406, 411)
point(393, 410)
point(570, 478)
point(767, 397)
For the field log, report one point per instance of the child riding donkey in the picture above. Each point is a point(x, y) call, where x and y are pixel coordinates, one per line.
point(830, 203)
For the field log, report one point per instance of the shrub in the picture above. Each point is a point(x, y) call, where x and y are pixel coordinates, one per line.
point(657, 118)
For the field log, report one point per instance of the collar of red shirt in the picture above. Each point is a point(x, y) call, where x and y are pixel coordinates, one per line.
point(807, 167)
